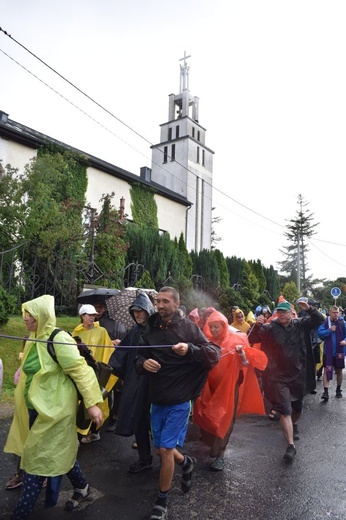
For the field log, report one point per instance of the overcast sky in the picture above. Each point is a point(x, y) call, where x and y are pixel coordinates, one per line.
point(271, 80)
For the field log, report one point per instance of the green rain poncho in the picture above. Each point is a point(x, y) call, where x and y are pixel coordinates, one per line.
point(50, 447)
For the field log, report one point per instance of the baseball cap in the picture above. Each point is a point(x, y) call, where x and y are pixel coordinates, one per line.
point(87, 309)
point(284, 306)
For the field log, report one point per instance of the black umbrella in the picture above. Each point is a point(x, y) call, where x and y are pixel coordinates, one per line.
point(92, 295)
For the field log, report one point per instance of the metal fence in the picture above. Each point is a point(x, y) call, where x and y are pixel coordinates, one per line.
point(26, 275)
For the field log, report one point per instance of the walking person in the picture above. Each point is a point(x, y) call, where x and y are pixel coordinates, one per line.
point(239, 322)
point(333, 333)
point(177, 361)
point(117, 331)
point(231, 388)
point(45, 411)
point(283, 341)
point(134, 408)
point(101, 346)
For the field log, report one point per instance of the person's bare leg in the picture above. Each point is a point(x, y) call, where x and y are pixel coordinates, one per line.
point(168, 459)
point(325, 379)
point(295, 416)
point(339, 376)
point(287, 428)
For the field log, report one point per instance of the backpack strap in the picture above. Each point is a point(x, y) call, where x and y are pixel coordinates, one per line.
point(50, 345)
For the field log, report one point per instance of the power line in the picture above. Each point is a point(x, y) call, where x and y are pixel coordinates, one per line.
point(99, 105)
point(120, 121)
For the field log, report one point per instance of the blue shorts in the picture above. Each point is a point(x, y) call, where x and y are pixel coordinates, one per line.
point(169, 424)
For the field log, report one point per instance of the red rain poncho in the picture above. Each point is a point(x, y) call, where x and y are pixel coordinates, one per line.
point(213, 410)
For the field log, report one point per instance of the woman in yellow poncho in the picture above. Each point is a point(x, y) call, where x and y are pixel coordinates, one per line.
point(43, 429)
point(239, 322)
point(98, 341)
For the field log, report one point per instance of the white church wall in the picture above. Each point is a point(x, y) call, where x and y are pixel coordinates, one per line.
point(101, 183)
point(171, 216)
point(15, 154)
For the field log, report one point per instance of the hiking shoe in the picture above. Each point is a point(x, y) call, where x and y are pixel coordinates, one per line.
point(338, 394)
point(140, 465)
point(159, 513)
point(78, 496)
point(325, 396)
point(15, 481)
point(186, 477)
point(217, 464)
point(295, 433)
point(92, 437)
point(112, 426)
point(290, 453)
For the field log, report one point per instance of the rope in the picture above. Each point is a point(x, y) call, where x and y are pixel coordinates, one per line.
point(19, 338)
point(34, 340)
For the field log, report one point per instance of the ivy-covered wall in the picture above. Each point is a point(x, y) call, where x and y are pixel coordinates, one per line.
point(74, 174)
point(143, 206)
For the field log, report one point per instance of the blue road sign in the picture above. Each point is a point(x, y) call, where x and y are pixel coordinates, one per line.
point(335, 292)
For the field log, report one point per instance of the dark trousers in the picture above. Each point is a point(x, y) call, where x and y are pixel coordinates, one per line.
point(142, 435)
point(32, 486)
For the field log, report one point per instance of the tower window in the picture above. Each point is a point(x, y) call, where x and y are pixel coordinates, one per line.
point(198, 135)
point(169, 134)
point(177, 132)
point(173, 153)
point(193, 131)
point(203, 157)
point(165, 153)
point(198, 154)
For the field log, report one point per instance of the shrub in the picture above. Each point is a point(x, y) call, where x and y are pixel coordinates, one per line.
point(7, 305)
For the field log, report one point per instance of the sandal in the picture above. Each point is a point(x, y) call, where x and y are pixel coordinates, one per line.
point(186, 477)
point(273, 415)
point(159, 513)
point(78, 496)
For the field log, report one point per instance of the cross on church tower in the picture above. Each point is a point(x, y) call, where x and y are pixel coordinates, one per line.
point(183, 163)
point(184, 73)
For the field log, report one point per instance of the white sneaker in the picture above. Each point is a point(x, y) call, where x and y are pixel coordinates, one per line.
point(92, 437)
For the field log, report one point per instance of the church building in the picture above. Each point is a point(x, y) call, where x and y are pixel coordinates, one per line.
point(180, 173)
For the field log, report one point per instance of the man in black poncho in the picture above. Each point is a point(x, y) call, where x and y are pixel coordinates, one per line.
point(283, 340)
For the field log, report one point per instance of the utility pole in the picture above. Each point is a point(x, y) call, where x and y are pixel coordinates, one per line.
point(298, 264)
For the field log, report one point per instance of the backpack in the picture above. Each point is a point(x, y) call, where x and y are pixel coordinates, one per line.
point(83, 350)
point(102, 372)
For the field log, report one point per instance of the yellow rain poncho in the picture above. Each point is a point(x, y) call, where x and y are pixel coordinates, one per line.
point(49, 448)
point(97, 336)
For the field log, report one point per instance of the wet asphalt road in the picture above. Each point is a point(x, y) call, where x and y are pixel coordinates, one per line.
point(255, 484)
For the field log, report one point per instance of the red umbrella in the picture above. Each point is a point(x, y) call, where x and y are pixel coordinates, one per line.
point(118, 305)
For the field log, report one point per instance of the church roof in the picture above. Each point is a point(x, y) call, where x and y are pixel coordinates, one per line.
point(12, 130)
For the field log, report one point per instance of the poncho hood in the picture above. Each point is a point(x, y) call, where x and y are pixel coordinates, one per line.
point(216, 316)
point(143, 302)
point(42, 309)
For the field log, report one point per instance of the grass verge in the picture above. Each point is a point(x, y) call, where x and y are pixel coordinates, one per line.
point(9, 352)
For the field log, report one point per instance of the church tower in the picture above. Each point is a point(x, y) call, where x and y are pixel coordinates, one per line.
point(182, 163)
